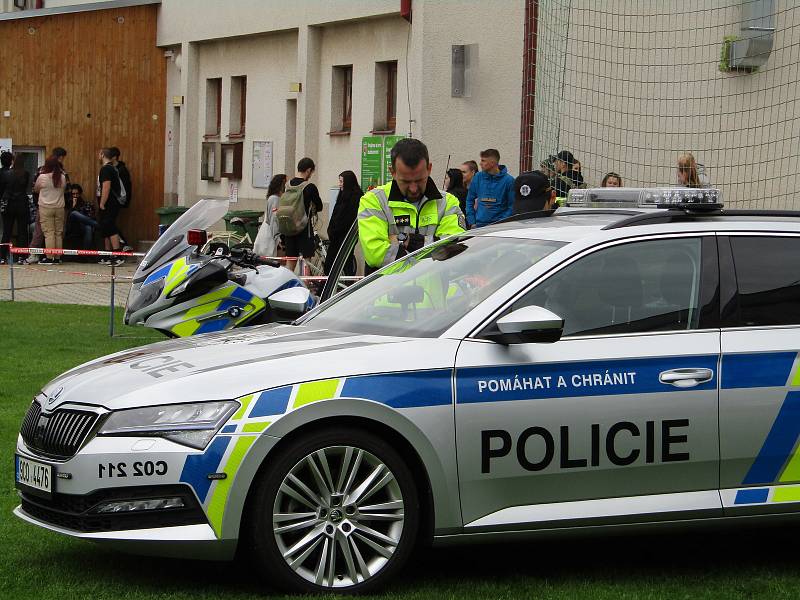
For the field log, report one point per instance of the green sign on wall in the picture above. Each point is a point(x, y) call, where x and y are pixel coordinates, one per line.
point(388, 143)
point(371, 161)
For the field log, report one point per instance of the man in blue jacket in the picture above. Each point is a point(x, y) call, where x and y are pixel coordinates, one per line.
point(491, 193)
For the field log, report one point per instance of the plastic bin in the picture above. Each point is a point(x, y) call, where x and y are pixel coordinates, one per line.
point(249, 222)
point(167, 215)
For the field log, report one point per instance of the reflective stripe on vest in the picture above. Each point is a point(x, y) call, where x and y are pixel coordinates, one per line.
point(387, 211)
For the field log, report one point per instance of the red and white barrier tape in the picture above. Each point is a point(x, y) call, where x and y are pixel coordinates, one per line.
point(42, 269)
point(325, 278)
point(68, 252)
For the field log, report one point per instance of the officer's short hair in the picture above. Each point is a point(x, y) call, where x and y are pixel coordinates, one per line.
point(305, 164)
point(411, 151)
point(490, 153)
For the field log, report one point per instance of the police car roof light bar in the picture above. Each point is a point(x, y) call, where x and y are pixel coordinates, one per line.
point(691, 199)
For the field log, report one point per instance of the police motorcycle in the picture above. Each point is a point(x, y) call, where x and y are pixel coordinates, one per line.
point(185, 286)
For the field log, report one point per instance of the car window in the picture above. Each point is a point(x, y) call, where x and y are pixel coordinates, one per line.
point(631, 288)
point(425, 293)
point(768, 277)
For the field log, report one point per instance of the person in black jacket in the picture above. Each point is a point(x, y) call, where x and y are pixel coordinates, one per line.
point(568, 173)
point(345, 212)
point(14, 184)
point(454, 184)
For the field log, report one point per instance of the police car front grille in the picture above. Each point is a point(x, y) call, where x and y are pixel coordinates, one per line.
point(58, 434)
point(77, 512)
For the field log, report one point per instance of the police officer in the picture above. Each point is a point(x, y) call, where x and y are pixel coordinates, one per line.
point(533, 193)
point(407, 213)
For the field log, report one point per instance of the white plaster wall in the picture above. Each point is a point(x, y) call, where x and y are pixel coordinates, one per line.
point(173, 143)
point(269, 62)
point(490, 118)
point(352, 32)
point(180, 19)
point(361, 45)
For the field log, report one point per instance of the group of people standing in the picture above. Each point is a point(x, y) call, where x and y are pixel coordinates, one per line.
point(345, 210)
point(410, 211)
point(488, 193)
point(57, 205)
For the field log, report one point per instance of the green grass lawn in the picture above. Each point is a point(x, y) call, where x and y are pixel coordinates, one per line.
point(38, 341)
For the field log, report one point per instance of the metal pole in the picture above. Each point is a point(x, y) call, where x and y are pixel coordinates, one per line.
point(113, 281)
point(11, 269)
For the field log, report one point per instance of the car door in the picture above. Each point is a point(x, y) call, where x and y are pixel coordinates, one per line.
point(618, 419)
point(760, 384)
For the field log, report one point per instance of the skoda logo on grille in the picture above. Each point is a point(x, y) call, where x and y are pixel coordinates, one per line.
point(41, 429)
point(54, 396)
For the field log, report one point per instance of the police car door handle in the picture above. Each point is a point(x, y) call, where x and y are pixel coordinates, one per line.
point(684, 378)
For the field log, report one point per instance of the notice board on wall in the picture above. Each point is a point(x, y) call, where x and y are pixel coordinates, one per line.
point(262, 164)
point(371, 161)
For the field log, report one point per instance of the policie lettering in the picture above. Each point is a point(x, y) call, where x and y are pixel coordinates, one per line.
point(158, 366)
point(490, 449)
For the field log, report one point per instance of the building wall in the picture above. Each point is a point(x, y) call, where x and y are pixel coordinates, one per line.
point(280, 43)
point(212, 19)
point(490, 116)
point(269, 62)
point(90, 97)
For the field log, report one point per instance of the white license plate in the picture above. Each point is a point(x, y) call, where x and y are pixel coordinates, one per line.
point(34, 476)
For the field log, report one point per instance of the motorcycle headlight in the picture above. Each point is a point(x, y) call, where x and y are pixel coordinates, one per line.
point(192, 424)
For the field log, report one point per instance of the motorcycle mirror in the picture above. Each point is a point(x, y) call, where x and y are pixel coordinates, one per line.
point(196, 237)
point(296, 300)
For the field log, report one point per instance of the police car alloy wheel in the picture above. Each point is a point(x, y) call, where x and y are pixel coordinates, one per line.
point(337, 512)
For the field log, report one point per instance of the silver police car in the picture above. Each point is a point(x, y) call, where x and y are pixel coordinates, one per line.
point(630, 360)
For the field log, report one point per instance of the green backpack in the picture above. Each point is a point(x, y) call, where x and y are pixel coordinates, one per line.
point(291, 214)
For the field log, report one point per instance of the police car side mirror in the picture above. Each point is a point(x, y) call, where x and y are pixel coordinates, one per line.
point(296, 300)
point(526, 325)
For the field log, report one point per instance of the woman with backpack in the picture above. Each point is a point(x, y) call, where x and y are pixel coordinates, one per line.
point(266, 243)
point(50, 186)
point(345, 212)
point(295, 211)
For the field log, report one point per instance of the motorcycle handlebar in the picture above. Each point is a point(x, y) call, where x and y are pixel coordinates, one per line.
point(245, 257)
point(263, 260)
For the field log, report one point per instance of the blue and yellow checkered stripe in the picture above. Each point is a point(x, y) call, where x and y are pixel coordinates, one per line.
point(257, 412)
point(778, 462)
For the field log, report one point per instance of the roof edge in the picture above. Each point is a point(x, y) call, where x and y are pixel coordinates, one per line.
point(79, 8)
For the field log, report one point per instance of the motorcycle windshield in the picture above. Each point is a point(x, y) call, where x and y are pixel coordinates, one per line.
point(203, 215)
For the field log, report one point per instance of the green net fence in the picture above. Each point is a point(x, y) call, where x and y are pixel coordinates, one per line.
point(629, 85)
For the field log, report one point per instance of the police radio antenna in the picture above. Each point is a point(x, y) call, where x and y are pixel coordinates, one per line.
point(446, 169)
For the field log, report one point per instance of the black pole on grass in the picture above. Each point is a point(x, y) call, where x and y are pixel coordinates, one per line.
point(11, 269)
point(113, 280)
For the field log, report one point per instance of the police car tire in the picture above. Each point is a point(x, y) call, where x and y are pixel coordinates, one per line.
point(265, 552)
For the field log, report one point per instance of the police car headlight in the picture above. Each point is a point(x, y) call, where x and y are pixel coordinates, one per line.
point(193, 424)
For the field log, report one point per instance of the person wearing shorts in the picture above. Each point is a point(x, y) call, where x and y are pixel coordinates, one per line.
point(109, 206)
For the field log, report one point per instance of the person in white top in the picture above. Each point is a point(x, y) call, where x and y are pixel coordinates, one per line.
point(50, 186)
point(266, 243)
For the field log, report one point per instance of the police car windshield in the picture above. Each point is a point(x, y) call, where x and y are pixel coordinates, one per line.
point(424, 294)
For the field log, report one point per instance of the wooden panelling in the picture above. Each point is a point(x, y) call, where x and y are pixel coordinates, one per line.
point(84, 81)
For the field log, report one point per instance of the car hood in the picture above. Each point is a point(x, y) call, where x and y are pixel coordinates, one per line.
point(233, 364)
